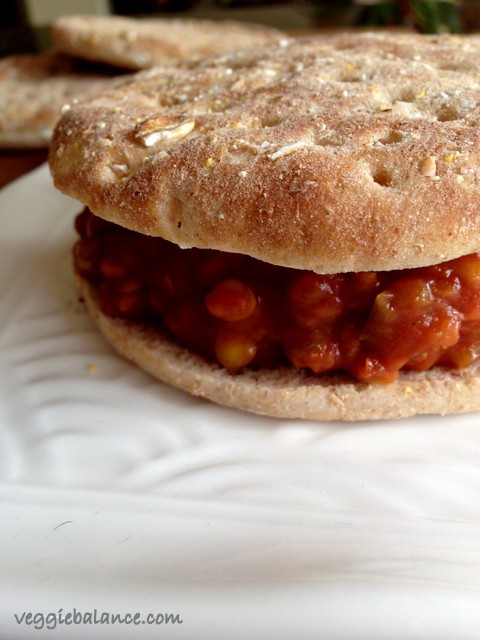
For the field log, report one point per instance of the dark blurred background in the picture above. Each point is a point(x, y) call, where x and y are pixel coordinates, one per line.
point(24, 24)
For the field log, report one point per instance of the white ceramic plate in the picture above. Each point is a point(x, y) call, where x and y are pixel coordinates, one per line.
point(121, 495)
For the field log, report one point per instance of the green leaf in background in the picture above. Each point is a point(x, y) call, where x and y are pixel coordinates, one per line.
point(436, 16)
point(427, 16)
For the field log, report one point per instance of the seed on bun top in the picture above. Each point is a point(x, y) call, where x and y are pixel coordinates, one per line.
point(333, 153)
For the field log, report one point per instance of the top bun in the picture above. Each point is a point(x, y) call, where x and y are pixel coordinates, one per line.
point(141, 44)
point(334, 153)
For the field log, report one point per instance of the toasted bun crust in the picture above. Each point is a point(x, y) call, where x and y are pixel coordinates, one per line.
point(341, 153)
point(140, 44)
point(287, 392)
point(33, 89)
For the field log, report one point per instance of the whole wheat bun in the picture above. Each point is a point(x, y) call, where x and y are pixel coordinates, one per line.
point(287, 392)
point(34, 88)
point(142, 43)
point(334, 153)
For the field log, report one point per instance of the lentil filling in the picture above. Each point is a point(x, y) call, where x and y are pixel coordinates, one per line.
point(239, 311)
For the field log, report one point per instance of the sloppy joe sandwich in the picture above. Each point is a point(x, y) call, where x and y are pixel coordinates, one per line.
point(142, 43)
point(290, 230)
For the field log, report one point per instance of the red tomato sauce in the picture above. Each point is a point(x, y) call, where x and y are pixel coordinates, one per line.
point(239, 311)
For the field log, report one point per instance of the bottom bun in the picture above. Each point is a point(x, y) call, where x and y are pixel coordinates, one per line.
point(287, 392)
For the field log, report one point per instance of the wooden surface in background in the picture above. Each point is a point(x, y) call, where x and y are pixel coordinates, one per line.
point(14, 164)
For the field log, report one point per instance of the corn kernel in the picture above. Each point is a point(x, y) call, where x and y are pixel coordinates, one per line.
point(450, 157)
point(234, 352)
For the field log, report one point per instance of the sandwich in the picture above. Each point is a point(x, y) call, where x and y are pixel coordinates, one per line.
point(290, 230)
point(33, 89)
